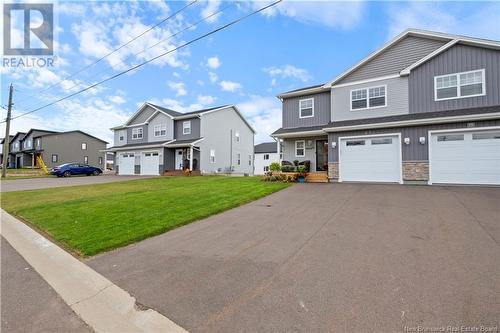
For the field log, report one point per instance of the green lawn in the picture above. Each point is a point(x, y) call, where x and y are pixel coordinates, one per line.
point(95, 218)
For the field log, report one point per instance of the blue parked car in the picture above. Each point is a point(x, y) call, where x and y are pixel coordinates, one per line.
point(69, 169)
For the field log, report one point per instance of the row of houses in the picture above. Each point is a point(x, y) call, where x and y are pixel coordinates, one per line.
point(424, 108)
point(54, 148)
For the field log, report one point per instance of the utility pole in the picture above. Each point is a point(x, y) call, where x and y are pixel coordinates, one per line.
point(6, 140)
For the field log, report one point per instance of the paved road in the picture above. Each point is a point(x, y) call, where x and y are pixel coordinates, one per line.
point(39, 183)
point(326, 258)
point(29, 304)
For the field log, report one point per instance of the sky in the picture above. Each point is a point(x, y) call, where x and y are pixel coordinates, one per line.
point(291, 45)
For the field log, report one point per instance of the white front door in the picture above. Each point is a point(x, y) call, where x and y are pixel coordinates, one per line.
point(150, 163)
point(465, 157)
point(372, 159)
point(178, 159)
point(126, 164)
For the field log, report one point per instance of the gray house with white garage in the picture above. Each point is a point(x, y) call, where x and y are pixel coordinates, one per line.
point(158, 140)
point(425, 107)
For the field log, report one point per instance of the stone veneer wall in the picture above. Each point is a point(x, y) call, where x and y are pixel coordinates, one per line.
point(333, 170)
point(415, 170)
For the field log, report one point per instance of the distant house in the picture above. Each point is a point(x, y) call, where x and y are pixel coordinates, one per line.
point(54, 148)
point(265, 154)
point(156, 140)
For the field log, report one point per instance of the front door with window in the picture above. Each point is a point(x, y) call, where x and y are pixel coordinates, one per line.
point(321, 155)
point(179, 158)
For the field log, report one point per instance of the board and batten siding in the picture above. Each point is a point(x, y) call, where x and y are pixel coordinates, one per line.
point(195, 129)
point(415, 151)
point(321, 111)
point(394, 59)
point(144, 134)
point(459, 58)
point(396, 95)
point(310, 150)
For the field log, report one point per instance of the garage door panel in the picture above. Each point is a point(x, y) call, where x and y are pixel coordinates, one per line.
point(126, 164)
point(150, 163)
point(473, 160)
point(374, 159)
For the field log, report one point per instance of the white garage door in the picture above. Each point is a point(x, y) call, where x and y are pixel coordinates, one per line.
point(465, 157)
point(373, 159)
point(150, 163)
point(126, 164)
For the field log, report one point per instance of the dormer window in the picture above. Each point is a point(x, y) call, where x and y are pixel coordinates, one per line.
point(459, 85)
point(137, 133)
point(186, 127)
point(306, 108)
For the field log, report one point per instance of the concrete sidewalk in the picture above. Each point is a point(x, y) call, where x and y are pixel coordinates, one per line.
point(96, 300)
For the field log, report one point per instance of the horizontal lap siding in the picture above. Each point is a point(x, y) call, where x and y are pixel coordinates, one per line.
point(396, 58)
point(412, 152)
point(460, 58)
point(321, 111)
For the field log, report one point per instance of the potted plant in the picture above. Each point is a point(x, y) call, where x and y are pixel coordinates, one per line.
point(301, 169)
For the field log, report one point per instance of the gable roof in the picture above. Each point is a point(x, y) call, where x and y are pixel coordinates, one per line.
point(303, 91)
point(10, 139)
point(266, 147)
point(76, 131)
point(20, 134)
point(448, 38)
point(42, 132)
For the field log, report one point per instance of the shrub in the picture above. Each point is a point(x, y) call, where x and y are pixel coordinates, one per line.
point(296, 162)
point(288, 168)
point(275, 167)
point(307, 164)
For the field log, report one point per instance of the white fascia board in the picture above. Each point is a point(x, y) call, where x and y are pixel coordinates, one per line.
point(132, 148)
point(299, 134)
point(375, 79)
point(303, 92)
point(426, 121)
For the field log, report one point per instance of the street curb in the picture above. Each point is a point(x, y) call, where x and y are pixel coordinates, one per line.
point(101, 304)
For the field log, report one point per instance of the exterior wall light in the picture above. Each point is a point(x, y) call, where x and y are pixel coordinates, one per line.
point(407, 141)
point(334, 144)
point(422, 140)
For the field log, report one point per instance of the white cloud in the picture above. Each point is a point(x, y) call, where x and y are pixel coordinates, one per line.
point(211, 7)
point(230, 86)
point(213, 62)
point(289, 71)
point(213, 77)
point(481, 22)
point(178, 87)
point(333, 14)
point(264, 114)
point(117, 99)
point(205, 99)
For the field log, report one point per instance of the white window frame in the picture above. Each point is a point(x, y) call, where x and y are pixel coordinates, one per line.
point(367, 89)
point(84, 145)
point(212, 156)
point(137, 130)
point(483, 74)
point(85, 160)
point(300, 108)
point(56, 159)
point(160, 128)
point(237, 135)
point(303, 148)
point(238, 158)
point(186, 125)
point(266, 157)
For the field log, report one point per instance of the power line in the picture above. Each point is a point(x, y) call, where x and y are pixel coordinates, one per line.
point(227, 25)
point(232, 3)
point(122, 46)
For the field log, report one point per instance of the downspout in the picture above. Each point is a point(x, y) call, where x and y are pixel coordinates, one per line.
point(231, 151)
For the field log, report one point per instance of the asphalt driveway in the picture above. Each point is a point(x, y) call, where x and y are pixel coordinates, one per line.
point(50, 182)
point(326, 258)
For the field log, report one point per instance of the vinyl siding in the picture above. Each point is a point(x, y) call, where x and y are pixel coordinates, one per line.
point(460, 58)
point(160, 118)
point(218, 130)
point(396, 94)
point(195, 129)
point(68, 147)
point(117, 141)
point(321, 111)
point(401, 55)
point(310, 153)
point(142, 116)
point(415, 151)
point(144, 134)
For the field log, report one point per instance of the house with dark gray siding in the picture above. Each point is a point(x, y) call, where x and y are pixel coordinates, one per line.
point(156, 140)
point(54, 148)
point(424, 108)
